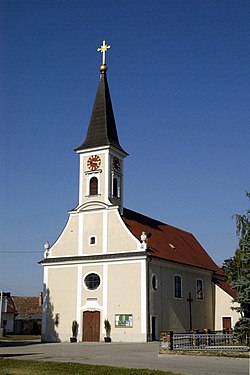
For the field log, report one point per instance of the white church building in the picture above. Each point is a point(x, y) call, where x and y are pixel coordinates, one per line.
point(112, 263)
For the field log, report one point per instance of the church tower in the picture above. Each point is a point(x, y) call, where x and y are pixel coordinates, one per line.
point(86, 269)
point(101, 156)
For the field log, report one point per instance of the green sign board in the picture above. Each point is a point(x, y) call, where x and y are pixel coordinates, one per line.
point(124, 320)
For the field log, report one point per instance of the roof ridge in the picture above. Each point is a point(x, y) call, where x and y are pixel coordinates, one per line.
point(159, 222)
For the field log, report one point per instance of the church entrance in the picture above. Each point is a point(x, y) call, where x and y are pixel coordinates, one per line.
point(91, 326)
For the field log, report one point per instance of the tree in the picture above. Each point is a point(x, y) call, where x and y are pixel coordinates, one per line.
point(238, 270)
point(231, 267)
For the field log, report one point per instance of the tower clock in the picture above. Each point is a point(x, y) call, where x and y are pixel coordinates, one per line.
point(94, 162)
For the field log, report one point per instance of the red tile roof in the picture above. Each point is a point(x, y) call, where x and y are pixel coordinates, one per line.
point(168, 242)
point(25, 306)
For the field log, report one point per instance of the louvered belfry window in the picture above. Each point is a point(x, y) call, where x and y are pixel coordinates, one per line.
point(93, 186)
point(115, 187)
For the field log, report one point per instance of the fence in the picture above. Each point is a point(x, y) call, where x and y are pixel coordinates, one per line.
point(199, 341)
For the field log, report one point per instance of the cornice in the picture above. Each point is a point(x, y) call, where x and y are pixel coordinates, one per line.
point(88, 258)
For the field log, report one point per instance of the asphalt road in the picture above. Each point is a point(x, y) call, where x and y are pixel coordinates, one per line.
point(132, 355)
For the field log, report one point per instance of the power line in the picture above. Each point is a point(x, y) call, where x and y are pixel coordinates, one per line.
point(6, 288)
point(21, 252)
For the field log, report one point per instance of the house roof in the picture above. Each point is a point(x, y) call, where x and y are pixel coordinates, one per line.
point(227, 288)
point(102, 127)
point(25, 306)
point(169, 243)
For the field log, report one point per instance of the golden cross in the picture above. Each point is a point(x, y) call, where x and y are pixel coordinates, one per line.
point(103, 49)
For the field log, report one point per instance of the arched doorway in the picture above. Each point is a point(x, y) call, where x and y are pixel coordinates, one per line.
point(91, 326)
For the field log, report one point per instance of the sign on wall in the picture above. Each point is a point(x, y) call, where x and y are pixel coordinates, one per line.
point(124, 320)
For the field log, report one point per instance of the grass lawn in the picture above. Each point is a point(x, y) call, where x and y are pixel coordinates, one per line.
point(19, 337)
point(21, 367)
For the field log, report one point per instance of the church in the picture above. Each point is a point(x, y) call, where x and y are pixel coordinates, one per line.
point(113, 263)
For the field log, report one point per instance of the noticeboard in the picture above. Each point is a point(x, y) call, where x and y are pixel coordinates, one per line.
point(124, 320)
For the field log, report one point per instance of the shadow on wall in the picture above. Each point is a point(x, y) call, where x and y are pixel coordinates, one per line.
point(50, 320)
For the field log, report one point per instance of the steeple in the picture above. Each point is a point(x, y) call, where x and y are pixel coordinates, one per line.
point(102, 127)
point(101, 155)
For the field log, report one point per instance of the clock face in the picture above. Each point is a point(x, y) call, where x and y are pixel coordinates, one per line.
point(116, 163)
point(94, 162)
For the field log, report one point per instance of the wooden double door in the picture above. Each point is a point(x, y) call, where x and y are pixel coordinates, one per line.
point(91, 326)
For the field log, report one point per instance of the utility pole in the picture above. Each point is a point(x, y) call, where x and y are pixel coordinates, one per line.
point(1, 308)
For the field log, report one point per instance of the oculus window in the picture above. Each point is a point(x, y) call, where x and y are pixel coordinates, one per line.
point(92, 281)
point(154, 282)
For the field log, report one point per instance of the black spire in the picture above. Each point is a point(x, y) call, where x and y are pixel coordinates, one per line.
point(102, 128)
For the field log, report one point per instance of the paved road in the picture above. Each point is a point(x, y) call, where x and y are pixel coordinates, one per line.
point(126, 355)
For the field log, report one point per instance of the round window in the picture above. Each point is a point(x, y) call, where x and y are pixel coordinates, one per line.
point(92, 281)
point(154, 282)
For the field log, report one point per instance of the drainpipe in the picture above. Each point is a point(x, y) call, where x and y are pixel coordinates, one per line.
point(149, 258)
point(144, 246)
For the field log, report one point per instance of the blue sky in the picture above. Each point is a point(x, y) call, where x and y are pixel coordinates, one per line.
point(179, 80)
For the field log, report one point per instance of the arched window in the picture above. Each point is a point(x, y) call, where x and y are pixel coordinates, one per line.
point(93, 186)
point(115, 187)
point(177, 286)
point(199, 289)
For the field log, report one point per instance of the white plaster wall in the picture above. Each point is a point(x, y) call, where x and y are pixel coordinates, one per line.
point(92, 225)
point(61, 298)
point(173, 313)
point(223, 304)
point(101, 173)
point(67, 242)
point(119, 237)
point(127, 295)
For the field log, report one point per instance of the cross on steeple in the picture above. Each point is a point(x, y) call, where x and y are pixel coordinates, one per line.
point(103, 49)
